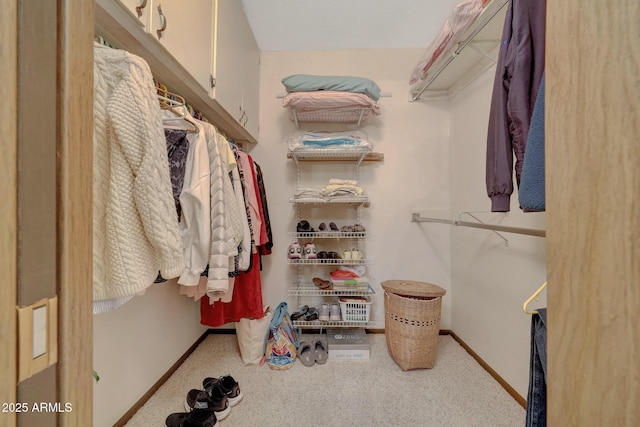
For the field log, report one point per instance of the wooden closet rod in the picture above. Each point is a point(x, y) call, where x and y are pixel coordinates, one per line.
point(415, 217)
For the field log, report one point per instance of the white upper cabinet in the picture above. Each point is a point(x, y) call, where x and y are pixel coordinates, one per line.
point(212, 39)
point(237, 64)
point(139, 8)
point(203, 49)
point(186, 30)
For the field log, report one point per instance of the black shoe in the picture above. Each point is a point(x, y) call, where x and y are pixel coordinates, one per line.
point(311, 315)
point(196, 418)
point(229, 387)
point(301, 312)
point(212, 399)
point(304, 227)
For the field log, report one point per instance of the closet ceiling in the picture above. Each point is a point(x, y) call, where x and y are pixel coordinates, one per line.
point(345, 24)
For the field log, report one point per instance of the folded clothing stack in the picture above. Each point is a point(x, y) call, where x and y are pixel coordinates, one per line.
point(345, 278)
point(318, 140)
point(339, 187)
point(338, 99)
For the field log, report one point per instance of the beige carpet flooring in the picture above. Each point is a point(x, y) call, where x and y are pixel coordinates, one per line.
point(457, 392)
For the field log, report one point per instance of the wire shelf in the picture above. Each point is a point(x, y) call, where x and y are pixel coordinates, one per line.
point(360, 200)
point(315, 291)
point(353, 114)
point(324, 261)
point(329, 235)
point(319, 324)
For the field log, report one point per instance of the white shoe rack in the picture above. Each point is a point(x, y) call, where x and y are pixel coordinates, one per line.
point(303, 288)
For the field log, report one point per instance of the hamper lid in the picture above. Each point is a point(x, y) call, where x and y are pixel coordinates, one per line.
point(413, 288)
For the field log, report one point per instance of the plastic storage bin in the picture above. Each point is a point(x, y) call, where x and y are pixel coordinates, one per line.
point(412, 322)
point(355, 309)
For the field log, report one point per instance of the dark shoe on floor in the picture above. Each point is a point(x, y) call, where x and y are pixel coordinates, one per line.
point(228, 385)
point(212, 399)
point(196, 418)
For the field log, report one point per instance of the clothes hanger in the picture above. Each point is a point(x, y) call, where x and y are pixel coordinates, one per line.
point(535, 296)
point(177, 105)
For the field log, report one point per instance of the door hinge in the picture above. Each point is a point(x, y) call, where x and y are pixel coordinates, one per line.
point(212, 81)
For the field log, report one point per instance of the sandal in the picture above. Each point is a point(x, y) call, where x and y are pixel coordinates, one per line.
point(320, 352)
point(321, 255)
point(322, 226)
point(321, 284)
point(333, 226)
point(306, 353)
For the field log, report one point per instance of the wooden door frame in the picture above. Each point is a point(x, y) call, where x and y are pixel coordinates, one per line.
point(8, 207)
point(74, 208)
point(75, 201)
point(593, 236)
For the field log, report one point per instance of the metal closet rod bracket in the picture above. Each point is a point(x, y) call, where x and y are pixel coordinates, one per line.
point(415, 217)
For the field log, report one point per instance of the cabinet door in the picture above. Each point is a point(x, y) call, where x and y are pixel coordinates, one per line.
point(229, 53)
point(140, 8)
point(250, 84)
point(237, 64)
point(188, 34)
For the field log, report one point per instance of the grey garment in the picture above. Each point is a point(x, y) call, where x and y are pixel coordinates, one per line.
point(177, 149)
point(518, 75)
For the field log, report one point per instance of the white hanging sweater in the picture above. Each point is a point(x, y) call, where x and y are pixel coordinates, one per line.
point(135, 225)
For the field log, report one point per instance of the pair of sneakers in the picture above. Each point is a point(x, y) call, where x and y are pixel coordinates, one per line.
point(205, 407)
point(352, 254)
point(332, 313)
point(295, 251)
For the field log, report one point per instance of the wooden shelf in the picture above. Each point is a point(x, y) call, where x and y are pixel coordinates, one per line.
point(123, 30)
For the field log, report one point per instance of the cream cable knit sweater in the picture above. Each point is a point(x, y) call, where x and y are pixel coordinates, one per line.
point(135, 223)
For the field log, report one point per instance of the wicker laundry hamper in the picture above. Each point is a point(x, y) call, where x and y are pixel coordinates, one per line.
point(412, 322)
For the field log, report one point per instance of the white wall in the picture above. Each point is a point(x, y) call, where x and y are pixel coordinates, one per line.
point(136, 344)
point(414, 174)
point(490, 280)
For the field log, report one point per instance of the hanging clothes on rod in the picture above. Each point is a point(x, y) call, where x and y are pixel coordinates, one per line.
point(246, 299)
point(515, 88)
point(136, 231)
point(177, 105)
point(537, 394)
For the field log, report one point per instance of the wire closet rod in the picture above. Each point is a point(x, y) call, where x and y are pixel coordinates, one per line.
point(415, 217)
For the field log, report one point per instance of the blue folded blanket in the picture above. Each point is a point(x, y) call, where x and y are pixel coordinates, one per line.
point(531, 192)
point(308, 83)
